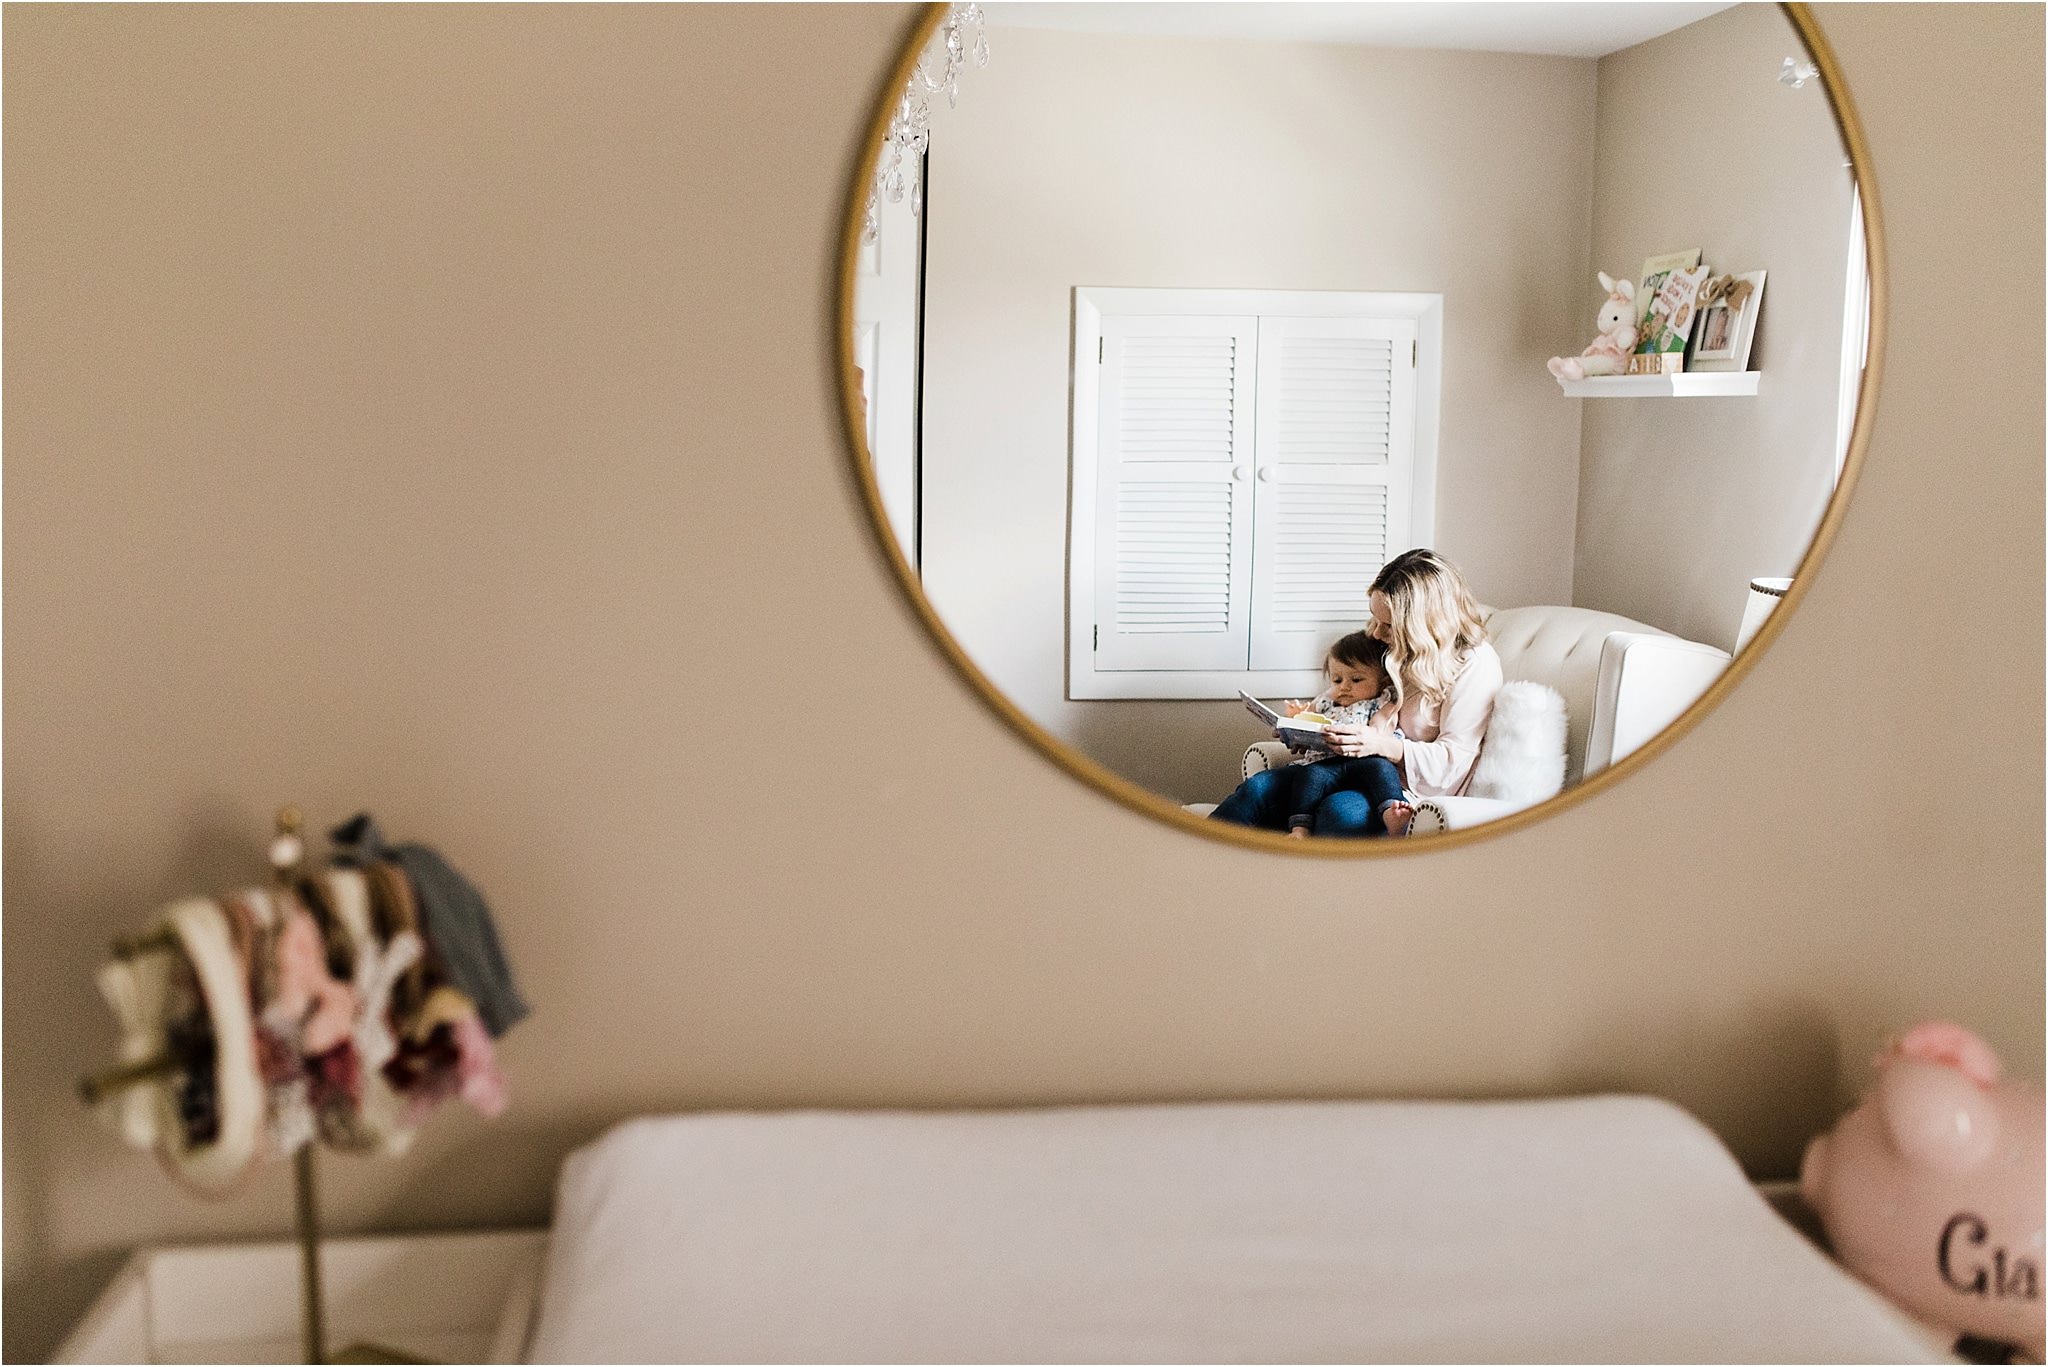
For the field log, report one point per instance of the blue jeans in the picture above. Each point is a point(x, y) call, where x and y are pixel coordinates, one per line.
point(1331, 797)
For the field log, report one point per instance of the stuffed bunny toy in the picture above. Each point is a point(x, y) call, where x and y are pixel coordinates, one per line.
point(1609, 353)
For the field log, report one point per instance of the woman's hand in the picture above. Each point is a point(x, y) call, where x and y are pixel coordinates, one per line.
point(1357, 742)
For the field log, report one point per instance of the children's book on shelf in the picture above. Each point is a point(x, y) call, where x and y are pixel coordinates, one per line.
point(1303, 732)
point(1671, 285)
point(1654, 271)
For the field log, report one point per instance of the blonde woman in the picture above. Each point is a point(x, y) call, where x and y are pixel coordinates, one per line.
point(1444, 676)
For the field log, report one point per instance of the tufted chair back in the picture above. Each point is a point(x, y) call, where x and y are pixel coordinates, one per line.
point(1561, 646)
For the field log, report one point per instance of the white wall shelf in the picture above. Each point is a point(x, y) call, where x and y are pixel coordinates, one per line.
point(1705, 384)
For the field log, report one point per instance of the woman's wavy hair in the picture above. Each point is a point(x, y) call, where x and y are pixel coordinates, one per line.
point(1435, 623)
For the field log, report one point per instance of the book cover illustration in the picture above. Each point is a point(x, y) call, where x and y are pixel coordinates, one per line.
point(1665, 303)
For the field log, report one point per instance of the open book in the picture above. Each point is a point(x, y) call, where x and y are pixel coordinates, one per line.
point(1304, 732)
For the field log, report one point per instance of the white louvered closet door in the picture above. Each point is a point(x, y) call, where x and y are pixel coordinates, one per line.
point(1173, 533)
point(1336, 399)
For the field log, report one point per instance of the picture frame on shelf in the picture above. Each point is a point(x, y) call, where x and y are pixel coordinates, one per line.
point(1728, 308)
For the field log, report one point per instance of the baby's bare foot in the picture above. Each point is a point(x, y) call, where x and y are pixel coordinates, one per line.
point(1297, 832)
point(1397, 815)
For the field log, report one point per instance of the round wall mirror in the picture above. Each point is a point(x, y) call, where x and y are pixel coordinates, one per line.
point(1350, 428)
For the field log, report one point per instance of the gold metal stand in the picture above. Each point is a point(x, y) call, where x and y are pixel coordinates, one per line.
point(97, 1088)
point(287, 855)
point(312, 1293)
point(306, 1224)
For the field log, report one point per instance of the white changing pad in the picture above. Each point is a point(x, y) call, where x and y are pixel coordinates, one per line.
point(1598, 1229)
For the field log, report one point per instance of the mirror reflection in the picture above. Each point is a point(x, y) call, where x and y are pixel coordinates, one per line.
point(1359, 420)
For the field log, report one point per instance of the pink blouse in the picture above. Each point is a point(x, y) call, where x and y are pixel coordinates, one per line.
point(1443, 737)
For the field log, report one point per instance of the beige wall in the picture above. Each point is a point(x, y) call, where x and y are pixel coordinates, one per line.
point(433, 409)
point(1682, 504)
point(1109, 160)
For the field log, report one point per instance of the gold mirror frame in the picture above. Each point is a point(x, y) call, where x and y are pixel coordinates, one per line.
point(1151, 804)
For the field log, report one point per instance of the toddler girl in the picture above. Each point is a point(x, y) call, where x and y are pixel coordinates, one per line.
point(1359, 694)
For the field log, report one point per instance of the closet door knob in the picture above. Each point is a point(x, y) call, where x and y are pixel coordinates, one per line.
point(1266, 475)
point(1240, 474)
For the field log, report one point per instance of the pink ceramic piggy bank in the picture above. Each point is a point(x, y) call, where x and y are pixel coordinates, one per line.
point(1931, 1190)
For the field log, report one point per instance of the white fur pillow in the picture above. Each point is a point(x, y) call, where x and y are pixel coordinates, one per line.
point(1522, 758)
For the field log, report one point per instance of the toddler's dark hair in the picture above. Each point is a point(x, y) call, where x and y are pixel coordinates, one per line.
point(1362, 650)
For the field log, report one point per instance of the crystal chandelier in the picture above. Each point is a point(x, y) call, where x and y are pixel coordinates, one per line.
point(910, 127)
